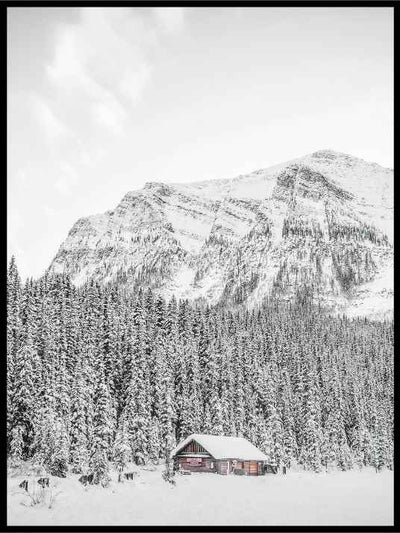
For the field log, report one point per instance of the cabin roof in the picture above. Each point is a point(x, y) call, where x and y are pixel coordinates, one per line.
point(225, 447)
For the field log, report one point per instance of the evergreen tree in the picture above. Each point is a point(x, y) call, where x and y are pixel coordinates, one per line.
point(102, 434)
point(79, 451)
point(92, 370)
point(310, 455)
point(121, 449)
point(23, 401)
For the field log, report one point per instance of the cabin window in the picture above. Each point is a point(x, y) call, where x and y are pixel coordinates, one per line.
point(212, 464)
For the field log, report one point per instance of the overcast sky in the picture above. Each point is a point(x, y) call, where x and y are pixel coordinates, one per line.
point(102, 100)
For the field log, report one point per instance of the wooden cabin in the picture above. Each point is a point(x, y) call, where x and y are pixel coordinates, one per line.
point(219, 454)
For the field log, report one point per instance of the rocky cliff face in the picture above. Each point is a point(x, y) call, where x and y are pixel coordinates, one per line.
point(320, 225)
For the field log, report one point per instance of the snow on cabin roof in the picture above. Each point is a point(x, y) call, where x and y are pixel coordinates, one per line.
point(225, 447)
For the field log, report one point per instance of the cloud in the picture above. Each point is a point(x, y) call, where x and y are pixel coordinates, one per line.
point(81, 63)
point(52, 126)
point(89, 159)
point(66, 178)
point(170, 19)
point(133, 84)
point(15, 227)
point(238, 12)
point(102, 62)
point(109, 115)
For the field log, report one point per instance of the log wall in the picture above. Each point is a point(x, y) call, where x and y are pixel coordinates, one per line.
point(193, 447)
point(197, 464)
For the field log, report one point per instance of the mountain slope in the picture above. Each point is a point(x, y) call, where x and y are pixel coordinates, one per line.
point(321, 224)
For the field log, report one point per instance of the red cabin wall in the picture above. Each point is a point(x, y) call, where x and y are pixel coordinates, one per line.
point(196, 459)
point(197, 464)
point(251, 468)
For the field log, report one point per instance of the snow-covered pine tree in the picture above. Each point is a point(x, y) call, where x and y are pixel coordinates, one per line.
point(334, 424)
point(310, 453)
point(212, 384)
point(331, 380)
point(121, 454)
point(136, 413)
point(79, 448)
point(192, 402)
point(60, 455)
point(273, 422)
point(51, 443)
point(380, 445)
point(154, 441)
point(102, 432)
point(13, 342)
point(24, 398)
point(167, 430)
point(16, 444)
point(290, 449)
point(238, 389)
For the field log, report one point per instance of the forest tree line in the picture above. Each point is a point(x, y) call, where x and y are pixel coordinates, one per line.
point(99, 377)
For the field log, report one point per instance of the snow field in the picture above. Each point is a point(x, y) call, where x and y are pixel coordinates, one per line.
point(299, 498)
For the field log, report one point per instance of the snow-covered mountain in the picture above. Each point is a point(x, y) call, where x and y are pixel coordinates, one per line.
point(321, 224)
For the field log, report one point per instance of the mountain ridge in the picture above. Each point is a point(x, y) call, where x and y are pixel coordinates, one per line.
point(322, 222)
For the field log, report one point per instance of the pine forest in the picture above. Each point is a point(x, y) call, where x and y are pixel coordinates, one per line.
point(99, 377)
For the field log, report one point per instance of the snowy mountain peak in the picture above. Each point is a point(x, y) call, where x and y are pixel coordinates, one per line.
point(331, 154)
point(157, 187)
point(322, 223)
point(307, 182)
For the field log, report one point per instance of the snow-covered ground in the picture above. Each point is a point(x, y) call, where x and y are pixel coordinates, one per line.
point(299, 498)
